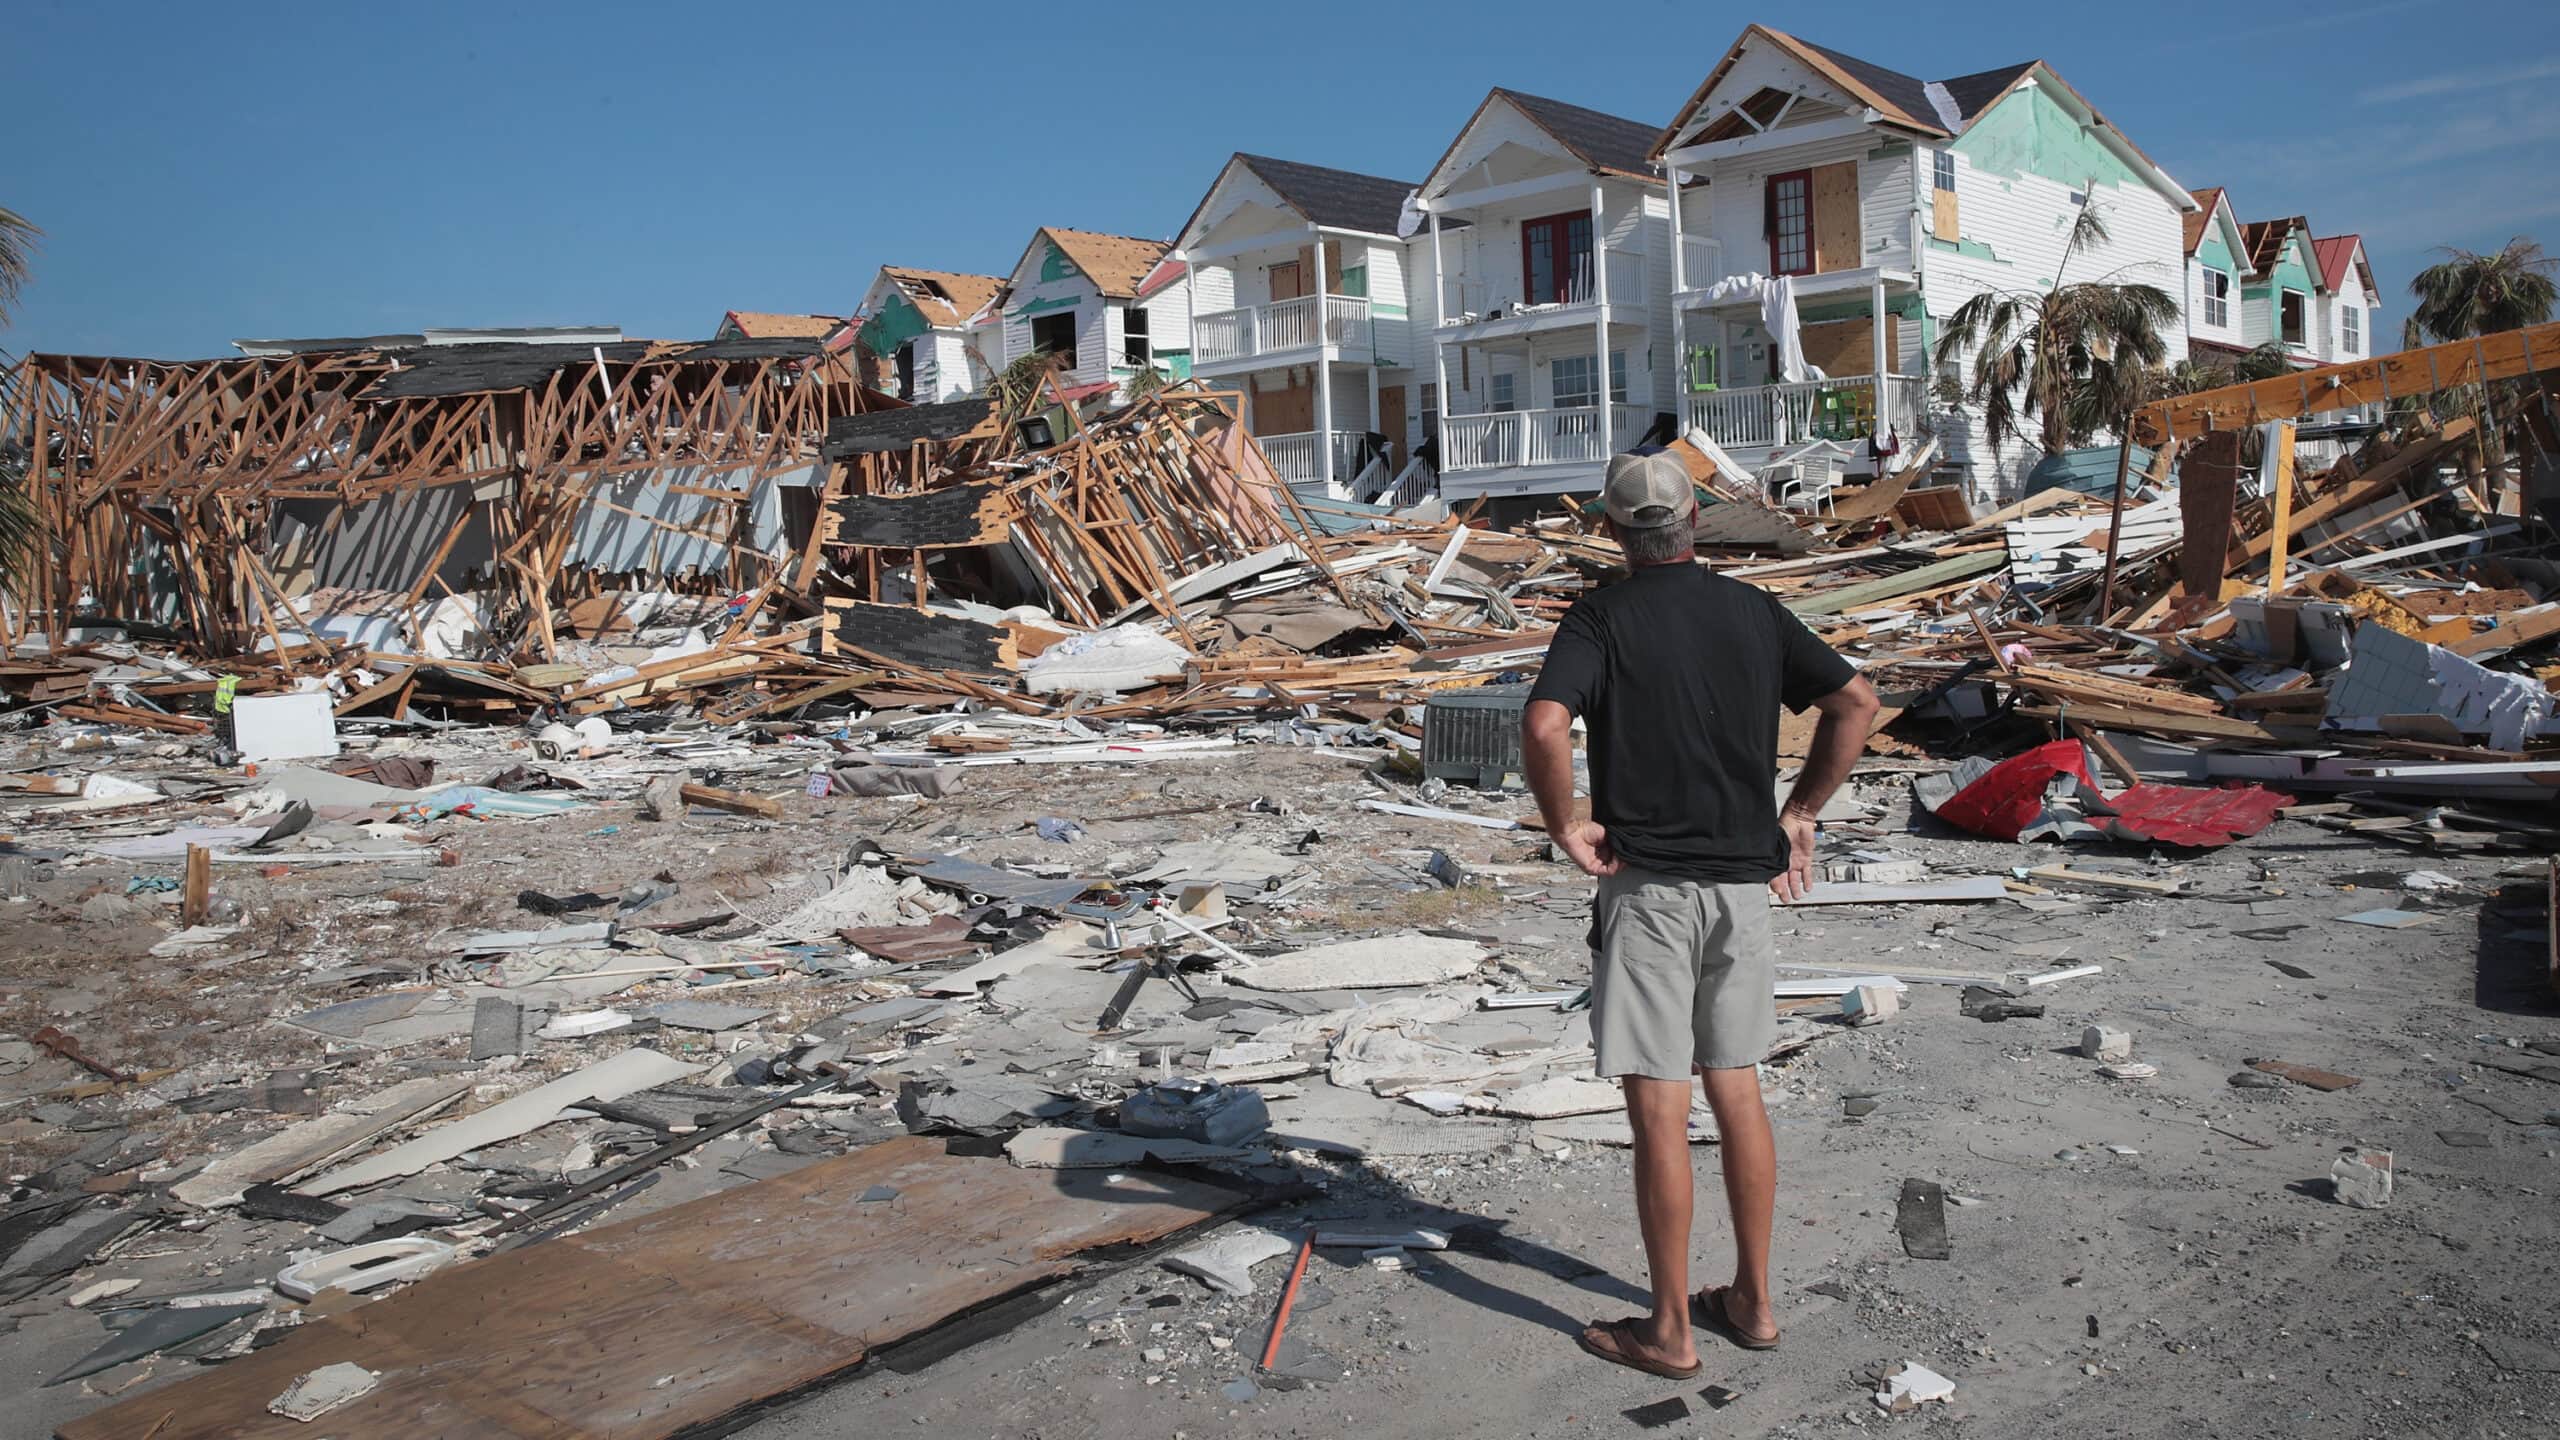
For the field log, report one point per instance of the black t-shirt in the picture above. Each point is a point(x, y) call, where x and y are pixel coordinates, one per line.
point(1678, 674)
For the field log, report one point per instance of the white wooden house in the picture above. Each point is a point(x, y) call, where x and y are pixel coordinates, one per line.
point(2218, 271)
point(1322, 350)
point(1088, 298)
point(918, 322)
point(2348, 298)
point(2281, 301)
point(1548, 249)
point(1886, 201)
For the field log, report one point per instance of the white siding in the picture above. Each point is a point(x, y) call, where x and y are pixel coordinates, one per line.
point(1213, 286)
point(1884, 201)
point(2226, 334)
point(1657, 360)
point(2015, 228)
point(1392, 331)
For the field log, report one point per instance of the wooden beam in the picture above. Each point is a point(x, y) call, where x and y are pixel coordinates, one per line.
point(2328, 388)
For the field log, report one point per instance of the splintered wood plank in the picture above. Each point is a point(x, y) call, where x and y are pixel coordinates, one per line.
point(671, 1321)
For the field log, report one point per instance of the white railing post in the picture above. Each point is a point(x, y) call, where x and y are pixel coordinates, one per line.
point(1439, 347)
point(1600, 298)
point(1324, 373)
point(1679, 312)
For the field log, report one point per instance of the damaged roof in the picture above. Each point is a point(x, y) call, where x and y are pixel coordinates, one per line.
point(2199, 221)
point(943, 297)
point(1114, 263)
point(2266, 240)
point(877, 432)
point(775, 325)
point(473, 369)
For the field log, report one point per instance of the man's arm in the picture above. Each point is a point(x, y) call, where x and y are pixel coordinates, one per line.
point(1546, 752)
point(1848, 714)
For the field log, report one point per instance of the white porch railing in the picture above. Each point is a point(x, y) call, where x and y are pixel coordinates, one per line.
point(1282, 325)
point(1480, 298)
point(1701, 261)
point(1845, 409)
point(1568, 435)
point(1295, 457)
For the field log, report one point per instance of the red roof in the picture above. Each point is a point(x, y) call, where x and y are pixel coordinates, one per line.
point(1166, 272)
point(2336, 254)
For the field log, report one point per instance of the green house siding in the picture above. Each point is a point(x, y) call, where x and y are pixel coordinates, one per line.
point(2215, 254)
point(2028, 134)
point(1054, 265)
point(897, 323)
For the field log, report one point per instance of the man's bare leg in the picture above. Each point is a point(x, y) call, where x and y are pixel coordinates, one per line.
point(1750, 1155)
point(1658, 1111)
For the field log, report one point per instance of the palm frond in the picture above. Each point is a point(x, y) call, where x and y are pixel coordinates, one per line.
point(17, 259)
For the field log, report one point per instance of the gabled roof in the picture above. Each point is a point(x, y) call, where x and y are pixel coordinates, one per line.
point(1933, 108)
point(771, 325)
point(2199, 221)
point(943, 297)
point(1609, 143)
point(1344, 199)
point(1602, 141)
point(2266, 240)
point(2337, 256)
point(1114, 263)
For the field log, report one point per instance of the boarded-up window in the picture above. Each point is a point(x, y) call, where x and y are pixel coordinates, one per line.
point(1835, 217)
point(1942, 198)
point(1847, 347)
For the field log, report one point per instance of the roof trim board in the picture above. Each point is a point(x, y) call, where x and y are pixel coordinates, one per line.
point(1433, 178)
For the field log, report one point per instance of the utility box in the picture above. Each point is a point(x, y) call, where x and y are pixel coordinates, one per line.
point(1473, 736)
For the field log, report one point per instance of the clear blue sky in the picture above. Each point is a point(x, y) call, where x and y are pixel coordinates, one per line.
point(208, 171)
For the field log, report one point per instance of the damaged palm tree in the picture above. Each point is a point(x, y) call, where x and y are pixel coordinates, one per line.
point(2072, 359)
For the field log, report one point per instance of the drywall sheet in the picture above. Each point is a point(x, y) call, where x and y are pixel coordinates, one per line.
point(667, 1323)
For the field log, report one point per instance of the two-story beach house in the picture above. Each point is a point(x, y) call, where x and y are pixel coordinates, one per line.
point(1299, 302)
point(1548, 245)
point(1864, 206)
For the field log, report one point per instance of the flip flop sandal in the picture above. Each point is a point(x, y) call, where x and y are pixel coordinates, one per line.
point(1620, 1350)
point(1707, 1308)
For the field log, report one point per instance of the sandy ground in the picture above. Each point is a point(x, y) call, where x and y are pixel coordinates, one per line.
point(2130, 1258)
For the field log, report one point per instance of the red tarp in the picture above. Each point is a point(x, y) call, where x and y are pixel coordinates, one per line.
point(2019, 794)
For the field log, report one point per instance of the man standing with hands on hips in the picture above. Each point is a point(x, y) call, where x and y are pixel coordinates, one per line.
point(1677, 674)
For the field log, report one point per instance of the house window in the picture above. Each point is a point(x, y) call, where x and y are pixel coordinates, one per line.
point(1355, 282)
point(907, 371)
point(1791, 223)
point(1555, 259)
point(2351, 329)
point(1944, 171)
point(1135, 350)
point(1055, 335)
point(1618, 377)
point(2217, 298)
point(1504, 396)
point(2291, 308)
point(1574, 381)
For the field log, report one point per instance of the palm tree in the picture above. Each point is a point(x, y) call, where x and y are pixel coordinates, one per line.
point(2073, 358)
point(2470, 294)
point(17, 504)
point(2265, 362)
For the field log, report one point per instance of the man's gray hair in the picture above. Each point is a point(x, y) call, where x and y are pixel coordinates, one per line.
point(1659, 545)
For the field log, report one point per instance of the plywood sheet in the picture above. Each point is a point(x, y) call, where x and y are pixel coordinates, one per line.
point(1835, 217)
point(671, 1321)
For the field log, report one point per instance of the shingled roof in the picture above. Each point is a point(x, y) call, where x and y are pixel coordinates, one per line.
point(1602, 141)
point(1345, 199)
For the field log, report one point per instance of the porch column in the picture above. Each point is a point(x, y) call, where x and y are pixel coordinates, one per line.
point(1324, 376)
point(1439, 352)
point(1375, 421)
point(1190, 311)
point(1679, 315)
point(1600, 316)
point(1884, 361)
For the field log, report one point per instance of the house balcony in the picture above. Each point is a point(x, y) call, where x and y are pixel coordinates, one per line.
point(1298, 459)
point(1494, 310)
point(1701, 262)
point(1284, 332)
point(1570, 435)
point(1828, 285)
point(1750, 422)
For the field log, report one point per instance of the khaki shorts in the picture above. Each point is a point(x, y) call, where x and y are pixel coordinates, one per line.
point(1683, 974)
